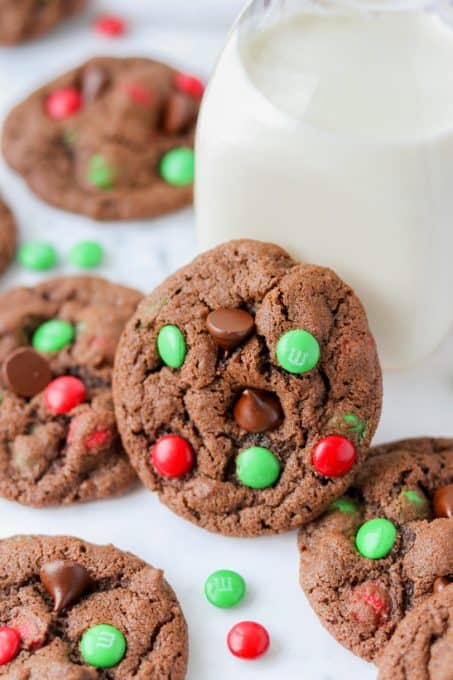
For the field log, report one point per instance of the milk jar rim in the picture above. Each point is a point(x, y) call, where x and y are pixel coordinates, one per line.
point(236, 39)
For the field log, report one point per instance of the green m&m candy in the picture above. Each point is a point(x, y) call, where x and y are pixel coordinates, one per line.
point(344, 506)
point(413, 497)
point(224, 588)
point(103, 646)
point(99, 173)
point(171, 346)
point(37, 255)
point(376, 538)
point(86, 254)
point(298, 351)
point(257, 467)
point(52, 336)
point(177, 167)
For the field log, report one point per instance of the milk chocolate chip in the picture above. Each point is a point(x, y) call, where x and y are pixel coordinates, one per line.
point(65, 581)
point(258, 411)
point(26, 372)
point(230, 327)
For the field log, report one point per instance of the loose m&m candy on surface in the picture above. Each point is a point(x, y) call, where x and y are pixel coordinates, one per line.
point(248, 640)
point(225, 589)
point(103, 646)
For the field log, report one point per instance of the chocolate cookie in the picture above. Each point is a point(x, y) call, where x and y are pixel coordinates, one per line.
point(247, 389)
point(70, 610)
point(382, 550)
point(22, 20)
point(8, 234)
point(58, 436)
point(111, 139)
point(422, 647)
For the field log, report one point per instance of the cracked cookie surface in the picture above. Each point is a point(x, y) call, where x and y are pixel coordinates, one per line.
point(22, 20)
point(8, 235)
point(119, 590)
point(361, 600)
point(51, 458)
point(206, 403)
point(422, 646)
point(93, 140)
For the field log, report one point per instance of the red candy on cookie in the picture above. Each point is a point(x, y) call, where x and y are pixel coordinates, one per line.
point(64, 393)
point(370, 604)
point(9, 644)
point(189, 85)
point(172, 456)
point(333, 456)
point(248, 640)
point(63, 103)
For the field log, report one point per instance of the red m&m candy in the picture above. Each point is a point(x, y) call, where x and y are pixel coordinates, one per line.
point(333, 456)
point(110, 25)
point(138, 93)
point(64, 393)
point(9, 644)
point(189, 85)
point(172, 456)
point(248, 640)
point(63, 103)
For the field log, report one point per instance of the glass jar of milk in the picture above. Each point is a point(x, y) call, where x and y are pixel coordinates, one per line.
point(328, 129)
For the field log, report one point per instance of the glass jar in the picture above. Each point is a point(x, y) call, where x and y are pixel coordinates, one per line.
point(328, 128)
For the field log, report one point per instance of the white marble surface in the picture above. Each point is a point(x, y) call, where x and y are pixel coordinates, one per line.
point(417, 402)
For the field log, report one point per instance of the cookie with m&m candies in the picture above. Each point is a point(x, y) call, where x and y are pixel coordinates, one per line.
point(111, 139)
point(382, 550)
point(58, 438)
point(247, 389)
point(71, 609)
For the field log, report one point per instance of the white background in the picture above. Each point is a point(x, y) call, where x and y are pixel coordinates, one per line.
point(190, 35)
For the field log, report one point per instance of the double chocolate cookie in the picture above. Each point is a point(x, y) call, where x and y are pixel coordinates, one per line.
point(70, 610)
point(247, 389)
point(8, 235)
point(58, 436)
point(111, 139)
point(385, 548)
point(22, 20)
point(422, 647)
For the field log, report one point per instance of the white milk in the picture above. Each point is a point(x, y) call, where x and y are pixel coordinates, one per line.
point(333, 137)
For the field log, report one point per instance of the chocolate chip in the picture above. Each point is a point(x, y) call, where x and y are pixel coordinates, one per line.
point(94, 79)
point(179, 113)
point(229, 327)
point(258, 411)
point(26, 372)
point(65, 581)
point(440, 583)
point(443, 501)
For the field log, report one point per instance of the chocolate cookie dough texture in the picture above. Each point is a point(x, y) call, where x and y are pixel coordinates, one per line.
point(384, 549)
point(8, 236)
point(247, 390)
point(70, 610)
point(422, 646)
point(22, 20)
point(112, 139)
point(58, 438)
